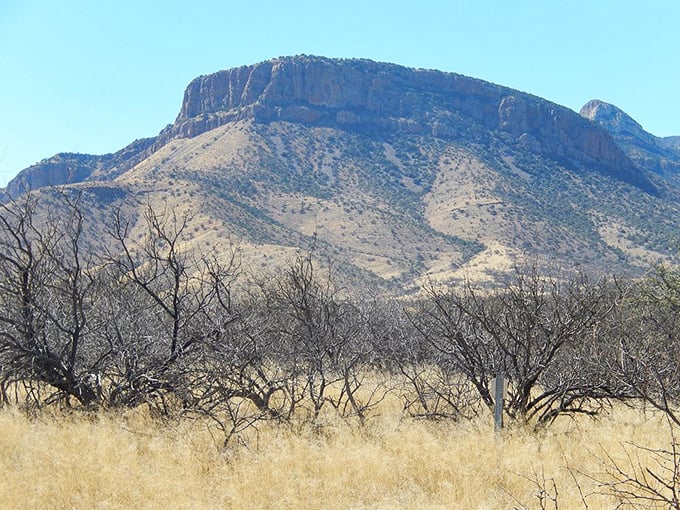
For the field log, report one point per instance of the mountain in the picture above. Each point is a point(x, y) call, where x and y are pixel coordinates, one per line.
point(69, 168)
point(398, 176)
point(652, 153)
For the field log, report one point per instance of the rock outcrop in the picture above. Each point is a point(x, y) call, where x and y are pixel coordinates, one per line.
point(615, 120)
point(660, 155)
point(368, 96)
point(68, 168)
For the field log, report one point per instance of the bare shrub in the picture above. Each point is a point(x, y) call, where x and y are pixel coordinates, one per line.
point(533, 330)
point(47, 289)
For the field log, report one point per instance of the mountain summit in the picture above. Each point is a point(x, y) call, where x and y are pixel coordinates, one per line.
point(398, 175)
point(644, 149)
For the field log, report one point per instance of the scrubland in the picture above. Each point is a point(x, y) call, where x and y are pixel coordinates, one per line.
point(127, 460)
point(150, 375)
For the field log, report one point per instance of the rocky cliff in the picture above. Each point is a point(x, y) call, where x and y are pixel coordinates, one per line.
point(68, 168)
point(362, 95)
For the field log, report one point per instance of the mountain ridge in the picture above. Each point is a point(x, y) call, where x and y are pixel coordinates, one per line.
point(72, 167)
point(363, 94)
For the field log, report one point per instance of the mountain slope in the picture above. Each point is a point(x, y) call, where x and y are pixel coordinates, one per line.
point(398, 176)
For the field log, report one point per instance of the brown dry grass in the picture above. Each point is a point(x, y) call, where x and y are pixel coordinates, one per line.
point(125, 461)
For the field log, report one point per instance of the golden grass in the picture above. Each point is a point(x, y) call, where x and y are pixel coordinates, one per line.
point(127, 461)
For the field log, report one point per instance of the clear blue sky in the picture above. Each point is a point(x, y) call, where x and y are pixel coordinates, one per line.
point(91, 76)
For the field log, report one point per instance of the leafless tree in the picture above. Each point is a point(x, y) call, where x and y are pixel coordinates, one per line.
point(528, 330)
point(321, 342)
point(429, 385)
point(46, 285)
point(647, 331)
point(180, 300)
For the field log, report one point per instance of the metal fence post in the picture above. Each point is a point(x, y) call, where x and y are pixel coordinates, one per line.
point(499, 391)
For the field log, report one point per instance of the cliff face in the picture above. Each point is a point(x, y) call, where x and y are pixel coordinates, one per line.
point(339, 93)
point(362, 95)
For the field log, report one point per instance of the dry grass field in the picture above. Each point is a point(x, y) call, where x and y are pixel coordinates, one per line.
point(80, 461)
